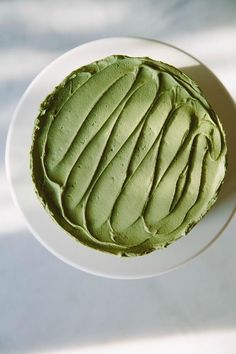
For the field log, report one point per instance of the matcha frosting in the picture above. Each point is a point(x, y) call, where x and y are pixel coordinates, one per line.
point(127, 155)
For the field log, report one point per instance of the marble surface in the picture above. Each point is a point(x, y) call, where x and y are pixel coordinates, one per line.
point(49, 307)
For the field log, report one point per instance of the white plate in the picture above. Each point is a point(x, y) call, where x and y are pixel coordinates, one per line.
point(53, 236)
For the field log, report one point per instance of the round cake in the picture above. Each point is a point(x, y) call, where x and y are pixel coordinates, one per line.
point(127, 155)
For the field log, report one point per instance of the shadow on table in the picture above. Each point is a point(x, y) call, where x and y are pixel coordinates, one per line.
point(47, 305)
point(48, 28)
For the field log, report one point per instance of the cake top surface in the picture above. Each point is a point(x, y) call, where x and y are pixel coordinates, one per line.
point(127, 155)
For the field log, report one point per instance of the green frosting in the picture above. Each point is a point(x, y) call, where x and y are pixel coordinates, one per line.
point(127, 155)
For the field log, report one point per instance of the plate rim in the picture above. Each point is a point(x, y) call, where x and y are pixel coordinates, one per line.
point(11, 184)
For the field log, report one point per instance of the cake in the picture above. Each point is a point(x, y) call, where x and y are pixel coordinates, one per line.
point(127, 155)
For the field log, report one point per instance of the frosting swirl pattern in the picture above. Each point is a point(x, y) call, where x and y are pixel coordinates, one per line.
point(127, 155)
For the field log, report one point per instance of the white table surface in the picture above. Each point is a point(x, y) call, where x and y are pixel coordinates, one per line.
point(45, 305)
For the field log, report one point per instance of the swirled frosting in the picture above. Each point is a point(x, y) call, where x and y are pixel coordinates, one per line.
point(127, 155)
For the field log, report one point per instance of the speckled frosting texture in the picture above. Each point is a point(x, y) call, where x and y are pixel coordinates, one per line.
point(127, 155)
